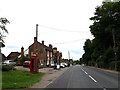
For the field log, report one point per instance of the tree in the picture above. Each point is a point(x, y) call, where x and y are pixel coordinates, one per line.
point(3, 22)
point(106, 19)
point(88, 50)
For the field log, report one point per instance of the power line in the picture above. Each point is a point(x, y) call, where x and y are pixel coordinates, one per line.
point(61, 29)
point(68, 42)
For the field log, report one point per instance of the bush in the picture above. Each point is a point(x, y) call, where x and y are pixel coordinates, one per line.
point(91, 63)
point(100, 64)
point(7, 67)
point(40, 66)
point(112, 65)
point(118, 66)
point(19, 64)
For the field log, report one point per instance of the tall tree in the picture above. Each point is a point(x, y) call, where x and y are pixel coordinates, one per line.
point(106, 20)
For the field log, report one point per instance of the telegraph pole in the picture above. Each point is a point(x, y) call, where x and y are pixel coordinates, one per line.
point(69, 55)
point(36, 48)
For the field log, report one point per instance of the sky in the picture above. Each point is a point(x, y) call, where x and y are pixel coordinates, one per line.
point(62, 23)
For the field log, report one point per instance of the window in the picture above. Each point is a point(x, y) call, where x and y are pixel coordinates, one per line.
point(47, 53)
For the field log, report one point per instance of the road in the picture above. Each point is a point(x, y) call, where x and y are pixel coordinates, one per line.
point(85, 77)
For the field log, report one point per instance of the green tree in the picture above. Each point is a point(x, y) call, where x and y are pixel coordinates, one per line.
point(88, 50)
point(100, 51)
point(3, 22)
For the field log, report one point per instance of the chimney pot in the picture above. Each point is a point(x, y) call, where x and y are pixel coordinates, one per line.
point(50, 46)
point(42, 42)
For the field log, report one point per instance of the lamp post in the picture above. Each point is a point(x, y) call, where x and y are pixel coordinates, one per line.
point(55, 56)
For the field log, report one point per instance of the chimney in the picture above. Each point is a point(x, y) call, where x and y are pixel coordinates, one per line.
point(35, 39)
point(50, 46)
point(42, 42)
point(22, 51)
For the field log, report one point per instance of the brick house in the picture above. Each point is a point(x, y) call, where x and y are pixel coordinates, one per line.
point(45, 54)
point(16, 56)
point(13, 56)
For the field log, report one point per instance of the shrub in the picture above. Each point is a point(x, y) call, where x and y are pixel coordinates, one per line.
point(112, 65)
point(7, 67)
point(118, 66)
point(91, 63)
point(40, 66)
point(100, 64)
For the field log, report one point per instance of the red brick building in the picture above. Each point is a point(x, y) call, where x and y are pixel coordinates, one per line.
point(45, 54)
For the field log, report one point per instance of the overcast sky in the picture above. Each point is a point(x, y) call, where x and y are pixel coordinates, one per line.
point(62, 23)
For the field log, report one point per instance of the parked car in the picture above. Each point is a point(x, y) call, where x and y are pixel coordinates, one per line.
point(65, 64)
point(62, 65)
point(26, 63)
point(9, 62)
point(0, 63)
point(52, 65)
point(58, 66)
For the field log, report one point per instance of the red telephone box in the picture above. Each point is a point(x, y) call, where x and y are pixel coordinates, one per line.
point(33, 64)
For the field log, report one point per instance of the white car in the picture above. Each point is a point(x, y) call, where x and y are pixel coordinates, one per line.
point(65, 64)
point(52, 65)
point(58, 66)
point(9, 62)
point(62, 65)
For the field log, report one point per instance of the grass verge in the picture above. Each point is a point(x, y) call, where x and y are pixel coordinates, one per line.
point(19, 79)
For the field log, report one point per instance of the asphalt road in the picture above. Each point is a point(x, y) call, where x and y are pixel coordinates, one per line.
point(85, 77)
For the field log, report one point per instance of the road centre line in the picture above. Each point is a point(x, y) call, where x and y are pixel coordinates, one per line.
point(89, 75)
point(86, 73)
point(92, 78)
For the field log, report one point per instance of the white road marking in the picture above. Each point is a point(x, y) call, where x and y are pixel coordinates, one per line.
point(92, 78)
point(86, 73)
point(82, 70)
point(89, 76)
point(104, 89)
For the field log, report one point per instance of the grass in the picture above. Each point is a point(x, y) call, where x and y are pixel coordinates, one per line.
point(19, 79)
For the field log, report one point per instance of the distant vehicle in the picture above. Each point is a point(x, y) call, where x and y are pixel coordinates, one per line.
point(9, 62)
point(62, 65)
point(26, 63)
point(65, 64)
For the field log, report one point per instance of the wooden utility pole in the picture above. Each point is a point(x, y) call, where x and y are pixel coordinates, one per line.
point(114, 48)
point(36, 48)
point(69, 56)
